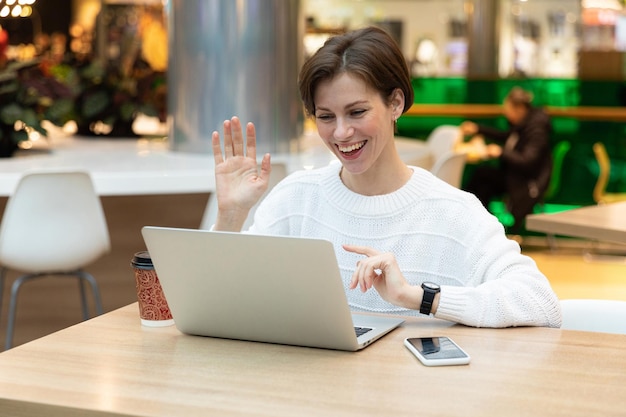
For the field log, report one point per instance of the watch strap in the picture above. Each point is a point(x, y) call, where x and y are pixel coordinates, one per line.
point(427, 301)
point(430, 290)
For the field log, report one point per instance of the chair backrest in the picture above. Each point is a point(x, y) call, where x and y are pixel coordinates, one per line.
point(558, 156)
point(443, 139)
point(608, 316)
point(604, 163)
point(53, 222)
point(450, 167)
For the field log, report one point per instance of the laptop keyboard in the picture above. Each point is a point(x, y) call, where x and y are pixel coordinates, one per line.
point(361, 330)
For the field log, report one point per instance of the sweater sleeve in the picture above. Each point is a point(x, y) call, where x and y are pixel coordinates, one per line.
point(504, 288)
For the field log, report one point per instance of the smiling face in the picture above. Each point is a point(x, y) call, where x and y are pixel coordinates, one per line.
point(356, 123)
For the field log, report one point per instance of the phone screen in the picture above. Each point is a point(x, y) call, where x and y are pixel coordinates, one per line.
point(435, 348)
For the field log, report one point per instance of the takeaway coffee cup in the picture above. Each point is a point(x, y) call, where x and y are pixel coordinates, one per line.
point(153, 308)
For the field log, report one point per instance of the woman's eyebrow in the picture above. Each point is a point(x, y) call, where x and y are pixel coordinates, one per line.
point(347, 106)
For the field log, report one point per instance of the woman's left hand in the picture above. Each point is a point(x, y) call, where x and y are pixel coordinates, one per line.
point(381, 271)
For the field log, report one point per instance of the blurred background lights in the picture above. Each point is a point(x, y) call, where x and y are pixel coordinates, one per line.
point(16, 8)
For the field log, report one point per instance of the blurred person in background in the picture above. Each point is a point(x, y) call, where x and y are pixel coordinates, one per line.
point(522, 173)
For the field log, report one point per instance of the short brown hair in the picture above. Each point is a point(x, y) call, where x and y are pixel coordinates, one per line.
point(520, 97)
point(369, 53)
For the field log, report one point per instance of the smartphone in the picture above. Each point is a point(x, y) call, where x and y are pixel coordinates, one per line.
point(437, 351)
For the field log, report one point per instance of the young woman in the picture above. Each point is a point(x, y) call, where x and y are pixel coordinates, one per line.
point(423, 245)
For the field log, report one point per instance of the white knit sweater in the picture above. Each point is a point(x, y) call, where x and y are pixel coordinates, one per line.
point(437, 233)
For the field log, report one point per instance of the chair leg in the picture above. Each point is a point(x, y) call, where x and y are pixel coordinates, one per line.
point(595, 253)
point(15, 289)
point(3, 272)
point(17, 284)
point(552, 242)
point(85, 276)
point(83, 299)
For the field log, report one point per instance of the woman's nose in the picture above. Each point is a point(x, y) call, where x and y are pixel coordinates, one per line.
point(343, 129)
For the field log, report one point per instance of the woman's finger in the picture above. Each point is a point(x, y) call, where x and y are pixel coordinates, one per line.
point(228, 139)
point(361, 250)
point(363, 276)
point(217, 148)
point(360, 277)
point(251, 140)
point(237, 136)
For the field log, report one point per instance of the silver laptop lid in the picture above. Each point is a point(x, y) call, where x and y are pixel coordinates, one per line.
point(263, 288)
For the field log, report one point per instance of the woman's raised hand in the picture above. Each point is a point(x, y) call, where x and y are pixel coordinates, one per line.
point(239, 183)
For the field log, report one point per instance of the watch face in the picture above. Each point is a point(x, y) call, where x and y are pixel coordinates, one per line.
point(430, 285)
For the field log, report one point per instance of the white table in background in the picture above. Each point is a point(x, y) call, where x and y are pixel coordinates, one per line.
point(148, 166)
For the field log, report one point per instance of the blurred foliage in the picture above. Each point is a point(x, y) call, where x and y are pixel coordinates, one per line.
point(106, 94)
point(27, 97)
point(87, 92)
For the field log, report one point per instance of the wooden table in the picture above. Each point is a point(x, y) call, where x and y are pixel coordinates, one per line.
point(600, 222)
point(111, 366)
point(611, 114)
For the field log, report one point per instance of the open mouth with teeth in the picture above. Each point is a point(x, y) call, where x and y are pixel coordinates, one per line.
point(352, 149)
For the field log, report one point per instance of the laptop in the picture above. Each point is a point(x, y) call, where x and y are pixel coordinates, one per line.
point(285, 290)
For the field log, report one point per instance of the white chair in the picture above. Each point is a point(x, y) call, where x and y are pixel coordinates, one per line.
point(449, 167)
point(608, 316)
point(53, 224)
point(443, 139)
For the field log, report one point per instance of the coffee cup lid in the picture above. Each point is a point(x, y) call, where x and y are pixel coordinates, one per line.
point(142, 259)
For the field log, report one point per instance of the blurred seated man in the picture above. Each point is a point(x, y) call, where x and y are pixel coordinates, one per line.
point(524, 157)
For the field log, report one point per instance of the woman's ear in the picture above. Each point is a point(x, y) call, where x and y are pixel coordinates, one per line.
point(397, 103)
